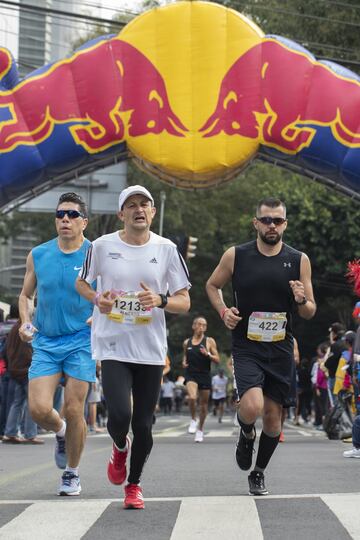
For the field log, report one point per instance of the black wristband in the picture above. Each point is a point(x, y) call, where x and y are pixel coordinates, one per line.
point(164, 300)
point(303, 301)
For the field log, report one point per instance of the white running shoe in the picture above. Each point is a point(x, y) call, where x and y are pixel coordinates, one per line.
point(70, 484)
point(199, 436)
point(193, 426)
point(354, 452)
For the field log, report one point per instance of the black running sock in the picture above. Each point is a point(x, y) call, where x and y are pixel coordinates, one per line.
point(266, 449)
point(247, 428)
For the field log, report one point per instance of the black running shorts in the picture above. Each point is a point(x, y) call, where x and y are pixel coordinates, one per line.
point(272, 375)
point(203, 380)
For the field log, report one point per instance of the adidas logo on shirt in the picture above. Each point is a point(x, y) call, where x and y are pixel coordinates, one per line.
point(154, 261)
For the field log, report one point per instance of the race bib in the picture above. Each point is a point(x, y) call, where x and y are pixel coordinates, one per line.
point(267, 326)
point(128, 310)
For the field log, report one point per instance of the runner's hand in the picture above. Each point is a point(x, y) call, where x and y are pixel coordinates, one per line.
point(26, 332)
point(147, 297)
point(204, 351)
point(105, 302)
point(298, 290)
point(231, 318)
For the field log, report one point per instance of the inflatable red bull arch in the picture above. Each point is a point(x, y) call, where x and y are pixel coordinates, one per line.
point(191, 91)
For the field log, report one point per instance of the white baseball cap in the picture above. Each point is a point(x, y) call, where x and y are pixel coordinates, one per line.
point(134, 190)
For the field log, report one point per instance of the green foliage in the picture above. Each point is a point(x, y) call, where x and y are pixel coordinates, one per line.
point(328, 29)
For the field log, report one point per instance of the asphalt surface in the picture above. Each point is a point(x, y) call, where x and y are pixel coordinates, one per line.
point(191, 490)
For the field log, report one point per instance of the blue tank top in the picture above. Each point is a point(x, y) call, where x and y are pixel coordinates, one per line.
point(60, 309)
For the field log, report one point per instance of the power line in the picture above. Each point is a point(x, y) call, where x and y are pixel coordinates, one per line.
point(49, 11)
point(297, 14)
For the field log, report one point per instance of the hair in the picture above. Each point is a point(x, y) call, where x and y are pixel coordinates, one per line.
point(323, 347)
point(271, 202)
point(338, 329)
point(74, 198)
point(199, 317)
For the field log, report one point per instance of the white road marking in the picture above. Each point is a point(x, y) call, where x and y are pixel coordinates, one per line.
point(199, 518)
point(346, 509)
point(45, 520)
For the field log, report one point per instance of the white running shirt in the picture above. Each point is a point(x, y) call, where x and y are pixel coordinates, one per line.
point(219, 386)
point(132, 334)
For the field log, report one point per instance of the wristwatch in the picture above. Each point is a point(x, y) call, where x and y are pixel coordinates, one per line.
point(303, 301)
point(164, 300)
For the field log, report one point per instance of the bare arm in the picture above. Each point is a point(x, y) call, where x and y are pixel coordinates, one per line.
point(296, 352)
point(218, 279)
point(26, 297)
point(184, 360)
point(304, 288)
point(212, 350)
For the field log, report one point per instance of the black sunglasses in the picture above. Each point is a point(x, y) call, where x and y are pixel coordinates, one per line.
point(72, 214)
point(267, 220)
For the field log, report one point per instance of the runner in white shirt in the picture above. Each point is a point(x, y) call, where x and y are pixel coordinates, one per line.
point(140, 275)
point(219, 386)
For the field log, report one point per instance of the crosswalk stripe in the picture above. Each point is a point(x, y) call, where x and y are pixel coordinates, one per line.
point(345, 508)
point(199, 517)
point(46, 520)
point(203, 518)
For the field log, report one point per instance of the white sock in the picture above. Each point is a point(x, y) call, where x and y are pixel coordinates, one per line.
point(74, 470)
point(61, 432)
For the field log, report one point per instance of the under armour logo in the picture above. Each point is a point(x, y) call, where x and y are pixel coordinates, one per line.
point(153, 261)
point(287, 265)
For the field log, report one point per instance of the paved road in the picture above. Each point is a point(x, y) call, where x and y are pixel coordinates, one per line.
point(192, 491)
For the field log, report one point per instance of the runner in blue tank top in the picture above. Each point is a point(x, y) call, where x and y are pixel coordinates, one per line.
point(270, 280)
point(60, 336)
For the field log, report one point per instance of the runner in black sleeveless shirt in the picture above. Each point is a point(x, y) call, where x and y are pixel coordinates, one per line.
point(269, 280)
point(199, 352)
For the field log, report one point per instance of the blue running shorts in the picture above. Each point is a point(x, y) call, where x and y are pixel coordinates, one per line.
point(69, 354)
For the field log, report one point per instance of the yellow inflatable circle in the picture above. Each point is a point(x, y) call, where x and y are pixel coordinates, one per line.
point(192, 45)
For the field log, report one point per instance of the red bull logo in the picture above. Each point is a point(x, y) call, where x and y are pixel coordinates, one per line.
point(282, 98)
point(99, 115)
point(193, 91)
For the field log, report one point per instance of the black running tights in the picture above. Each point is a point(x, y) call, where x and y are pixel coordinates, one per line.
point(120, 380)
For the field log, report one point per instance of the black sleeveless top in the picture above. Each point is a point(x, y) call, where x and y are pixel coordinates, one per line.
point(261, 284)
point(197, 362)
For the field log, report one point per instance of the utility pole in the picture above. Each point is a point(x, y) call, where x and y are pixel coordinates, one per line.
point(162, 208)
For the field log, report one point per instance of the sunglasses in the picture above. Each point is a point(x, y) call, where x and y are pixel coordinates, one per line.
point(267, 220)
point(72, 214)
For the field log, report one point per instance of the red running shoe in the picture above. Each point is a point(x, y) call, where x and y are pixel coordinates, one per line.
point(133, 497)
point(116, 470)
point(282, 437)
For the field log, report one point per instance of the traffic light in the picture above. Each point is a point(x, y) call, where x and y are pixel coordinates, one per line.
point(185, 244)
point(191, 246)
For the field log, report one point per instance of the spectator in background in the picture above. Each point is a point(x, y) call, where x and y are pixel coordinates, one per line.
point(167, 395)
point(343, 373)
point(337, 346)
point(219, 385)
point(304, 390)
point(356, 357)
point(355, 451)
point(7, 386)
point(179, 393)
point(19, 354)
point(94, 397)
point(320, 386)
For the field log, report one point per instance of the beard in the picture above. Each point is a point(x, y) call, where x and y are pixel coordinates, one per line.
point(271, 240)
